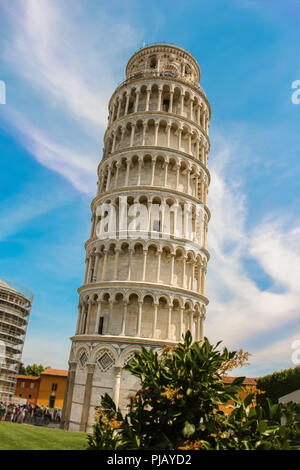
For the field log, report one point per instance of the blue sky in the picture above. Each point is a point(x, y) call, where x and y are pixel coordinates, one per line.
point(60, 62)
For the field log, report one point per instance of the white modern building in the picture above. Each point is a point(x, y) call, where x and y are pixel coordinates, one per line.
point(15, 307)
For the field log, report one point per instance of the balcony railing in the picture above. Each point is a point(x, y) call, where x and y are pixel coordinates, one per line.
point(152, 73)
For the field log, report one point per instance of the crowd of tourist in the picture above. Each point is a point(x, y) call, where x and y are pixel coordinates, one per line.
point(30, 414)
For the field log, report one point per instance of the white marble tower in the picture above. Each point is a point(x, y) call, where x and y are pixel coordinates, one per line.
point(143, 289)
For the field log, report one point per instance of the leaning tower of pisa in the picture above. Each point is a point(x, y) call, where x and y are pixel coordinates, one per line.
point(144, 282)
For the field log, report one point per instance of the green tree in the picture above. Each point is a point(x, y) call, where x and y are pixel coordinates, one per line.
point(280, 383)
point(177, 406)
point(34, 369)
point(22, 370)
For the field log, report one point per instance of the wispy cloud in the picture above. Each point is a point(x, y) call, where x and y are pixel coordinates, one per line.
point(56, 56)
point(33, 201)
point(74, 73)
point(78, 168)
point(241, 311)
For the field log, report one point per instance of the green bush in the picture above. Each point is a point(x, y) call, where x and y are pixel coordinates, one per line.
point(177, 407)
point(280, 383)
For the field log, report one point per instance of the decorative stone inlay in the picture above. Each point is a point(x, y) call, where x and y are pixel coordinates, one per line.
point(105, 361)
point(129, 358)
point(83, 360)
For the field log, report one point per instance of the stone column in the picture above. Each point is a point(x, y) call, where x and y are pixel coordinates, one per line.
point(190, 143)
point(172, 268)
point(203, 154)
point(168, 134)
point(129, 264)
point(108, 178)
point(144, 264)
point(87, 397)
point(155, 305)
point(139, 318)
point(148, 100)
point(124, 319)
point(181, 323)
point(153, 171)
point(197, 148)
point(80, 308)
point(87, 262)
point(199, 277)
point(196, 185)
point(169, 321)
point(127, 171)
point(191, 319)
point(119, 108)
point(183, 273)
point(193, 275)
point(118, 164)
point(198, 115)
point(127, 104)
point(144, 133)
point(188, 180)
point(202, 318)
point(96, 267)
point(90, 303)
point(139, 171)
point(179, 138)
point(191, 109)
point(123, 130)
point(198, 335)
point(166, 174)
point(99, 308)
point(104, 265)
point(159, 99)
point(171, 101)
point(69, 395)
point(158, 266)
point(156, 133)
point(177, 175)
point(114, 142)
point(117, 254)
point(111, 304)
point(136, 101)
point(132, 135)
point(117, 383)
point(181, 103)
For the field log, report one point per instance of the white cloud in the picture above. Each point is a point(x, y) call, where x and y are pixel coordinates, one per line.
point(80, 169)
point(58, 57)
point(73, 70)
point(241, 312)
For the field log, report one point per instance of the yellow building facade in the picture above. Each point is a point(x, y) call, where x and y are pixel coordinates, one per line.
point(52, 388)
point(46, 390)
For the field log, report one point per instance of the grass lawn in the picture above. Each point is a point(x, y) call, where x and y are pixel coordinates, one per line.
point(14, 436)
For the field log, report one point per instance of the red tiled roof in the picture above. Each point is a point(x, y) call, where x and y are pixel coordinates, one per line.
point(27, 377)
point(58, 372)
point(247, 381)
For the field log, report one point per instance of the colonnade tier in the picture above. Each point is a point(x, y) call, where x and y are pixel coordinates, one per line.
point(159, 262)
point(162, 215)
point(139, 312)
point(157, 130)
point(163, 96)
point(154, 169)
